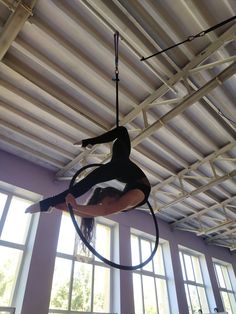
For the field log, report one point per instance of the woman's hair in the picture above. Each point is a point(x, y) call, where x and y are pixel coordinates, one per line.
point(87, 224)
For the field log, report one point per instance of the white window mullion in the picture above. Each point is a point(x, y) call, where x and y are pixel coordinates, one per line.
point(4, 213)
point(155, 281)
point(92, 288)
point(71, 284)
point(140, 273)
point(184, 264)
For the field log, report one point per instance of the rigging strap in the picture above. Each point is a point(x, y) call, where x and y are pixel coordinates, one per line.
point(116, 79)
point(190, 38)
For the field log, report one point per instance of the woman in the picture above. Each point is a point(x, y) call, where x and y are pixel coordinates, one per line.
point(137, 187)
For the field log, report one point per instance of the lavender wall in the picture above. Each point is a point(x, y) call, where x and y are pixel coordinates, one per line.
point(24, 174)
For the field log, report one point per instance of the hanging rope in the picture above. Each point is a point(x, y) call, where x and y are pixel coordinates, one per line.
point(92, 249)
point(116, 79)
point(191, 38)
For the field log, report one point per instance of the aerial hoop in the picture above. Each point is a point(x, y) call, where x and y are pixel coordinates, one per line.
point(92, 249)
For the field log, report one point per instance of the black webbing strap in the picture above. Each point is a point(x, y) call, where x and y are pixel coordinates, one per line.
point(116, 79)
point(190, 38)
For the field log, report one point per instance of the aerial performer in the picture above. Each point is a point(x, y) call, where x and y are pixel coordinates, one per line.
point(120, 167)
point(105, 200)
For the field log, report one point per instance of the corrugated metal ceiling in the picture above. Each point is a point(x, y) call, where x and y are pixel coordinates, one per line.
point(56, 88)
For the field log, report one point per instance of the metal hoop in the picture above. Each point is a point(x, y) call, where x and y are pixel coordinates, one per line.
point(106, 261)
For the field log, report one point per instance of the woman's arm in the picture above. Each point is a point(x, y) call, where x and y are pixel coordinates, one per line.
point(127, 201)
point(71, 200)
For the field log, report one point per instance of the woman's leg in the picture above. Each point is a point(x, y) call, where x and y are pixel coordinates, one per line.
point(122, 146)
point(107, 172)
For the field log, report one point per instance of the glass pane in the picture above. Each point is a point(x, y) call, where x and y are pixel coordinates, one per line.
point(101, 302)
point(194, 298)
point(220, 276)
point(226, 302)
point(203, 300)
point(182, 265)
point(3, 199)
point(16, 220)
point(138, 299)
point(66, 240)
point(135, 250)
point(188, 267)
point(232, 300)
point(146, 251)
point(158, 261)
point(102, 241)
point(82, 287)
point(9, 265)
point(150, 302)
point(60, 284)
point(162, 296)
point(188, 298)
point(226, 277)
point(197, 269)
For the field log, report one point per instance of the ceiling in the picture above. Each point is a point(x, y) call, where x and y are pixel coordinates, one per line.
point(56, 70)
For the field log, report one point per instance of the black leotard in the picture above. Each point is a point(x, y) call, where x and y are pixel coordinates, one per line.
point(120, 167)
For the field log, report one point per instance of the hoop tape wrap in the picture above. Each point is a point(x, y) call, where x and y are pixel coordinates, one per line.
point(106, 261)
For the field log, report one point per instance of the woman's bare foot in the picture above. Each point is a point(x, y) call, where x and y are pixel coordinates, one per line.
point(35, 208)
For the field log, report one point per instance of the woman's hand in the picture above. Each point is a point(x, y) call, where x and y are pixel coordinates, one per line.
point(71, 200)
point(76, 207)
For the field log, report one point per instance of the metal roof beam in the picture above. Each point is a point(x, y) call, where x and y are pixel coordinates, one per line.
point(230, 33)
point(223, 225)
point(212, 64)
point(14, 24)
point(196, 96)
point(196, 165)
point(204, 210)
point(199, 190)
point(218, 236)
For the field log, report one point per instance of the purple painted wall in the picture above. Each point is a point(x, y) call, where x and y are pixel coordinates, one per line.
point(29, 176)
point(20, 172)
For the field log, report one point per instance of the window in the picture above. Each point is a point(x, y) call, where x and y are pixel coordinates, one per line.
point(195, 287)
point(81, 282)
point(15, 227)
point(150, 284)
point(225, 278)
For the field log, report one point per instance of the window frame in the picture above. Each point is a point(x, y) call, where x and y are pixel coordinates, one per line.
point(143, 272)
point(94, 262)
point(230, 272)
point(12, 191)
point(187, 282)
